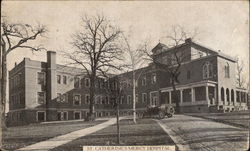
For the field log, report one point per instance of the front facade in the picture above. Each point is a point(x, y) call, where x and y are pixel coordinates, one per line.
point(45, 91)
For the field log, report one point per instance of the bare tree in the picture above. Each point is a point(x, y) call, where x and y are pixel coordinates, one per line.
point(14, 36)
point(115, 91)
point(175, 60)
point(135, 61)
point(97, 50)
point(239, 70)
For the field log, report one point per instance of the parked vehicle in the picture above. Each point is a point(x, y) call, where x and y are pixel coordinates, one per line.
point(158, 111)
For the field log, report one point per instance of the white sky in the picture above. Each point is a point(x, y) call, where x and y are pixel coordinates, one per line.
point(222, 25)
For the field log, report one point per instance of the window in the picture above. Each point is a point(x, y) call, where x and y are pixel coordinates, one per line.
point(144, 97)
point(102, 100)
point(62, 115)
point(136, 98)
point(188, 74)
point(41, 97)
point(64, 79)
point(64, 98)
point(59, 79)
point(77, 115)
point(153, 99)
point(87, 82)
point(58, 99)
point(232, 95)
point(227, 71)
point(41, 78)
point(77, 82)
point(222, 94)
point(144, 81)
point(122, 100)
point(153, 78)
point(77, 99)
point(207, 70)
point(227, 94)
point(87, 98)
point(129, 101)
point(41, 116)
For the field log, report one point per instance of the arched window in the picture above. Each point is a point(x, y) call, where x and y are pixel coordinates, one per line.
point(232, 95)
point(227, 93)
point(222, 94)
point(207, 70)
point(227, 71)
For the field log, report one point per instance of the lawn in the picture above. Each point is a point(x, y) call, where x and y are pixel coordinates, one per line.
point(18, 137)
point(239, 119)
point(145, 132)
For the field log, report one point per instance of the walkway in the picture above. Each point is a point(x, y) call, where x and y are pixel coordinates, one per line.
point(192, 133)
point(63, 139)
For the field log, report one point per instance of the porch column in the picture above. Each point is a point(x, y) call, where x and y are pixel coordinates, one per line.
point(245, 97)
point(192, 94)
point(235, 97)
point(170, 101)
point(181, 98)
point(207, 97)
point(215, 95)
point(219, 96)
point(230, 102)
point(240, 97)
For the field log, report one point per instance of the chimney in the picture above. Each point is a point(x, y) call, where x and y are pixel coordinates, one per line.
point(188, 40)
point(51, 59)
point(51, 76)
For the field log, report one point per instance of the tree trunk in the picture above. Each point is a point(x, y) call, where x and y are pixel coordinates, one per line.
point(175, 97)
point(2, 47)
point(118, 123)
point(91, 115)
point(134, 99)
point(3, 93)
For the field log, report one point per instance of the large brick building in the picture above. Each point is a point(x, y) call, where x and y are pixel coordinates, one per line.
point(46, 91)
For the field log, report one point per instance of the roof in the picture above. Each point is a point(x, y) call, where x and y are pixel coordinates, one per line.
point(159, 46)
point(164, 48)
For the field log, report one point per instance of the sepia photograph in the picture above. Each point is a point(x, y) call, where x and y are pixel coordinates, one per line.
point(124, 75)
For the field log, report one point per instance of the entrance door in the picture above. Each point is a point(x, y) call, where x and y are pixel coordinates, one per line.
point(77, 115)
point(40, 116)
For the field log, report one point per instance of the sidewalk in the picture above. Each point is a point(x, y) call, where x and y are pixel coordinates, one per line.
point(193, 133)
point(63, 139)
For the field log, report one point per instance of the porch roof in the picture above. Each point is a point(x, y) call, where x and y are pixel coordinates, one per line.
point(190, 85)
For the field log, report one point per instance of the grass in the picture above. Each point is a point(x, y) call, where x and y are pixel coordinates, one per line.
point(18, 137)
point(145, 132)
point(239, 119)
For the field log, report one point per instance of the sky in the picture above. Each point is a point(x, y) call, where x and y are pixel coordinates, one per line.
point(222, 25)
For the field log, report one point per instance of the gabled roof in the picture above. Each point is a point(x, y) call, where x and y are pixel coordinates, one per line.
point(159, 46)
point(163, 48)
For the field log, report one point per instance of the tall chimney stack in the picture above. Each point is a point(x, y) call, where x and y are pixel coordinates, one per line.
point(51, 76)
